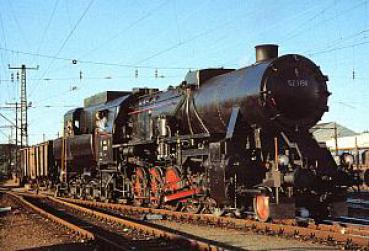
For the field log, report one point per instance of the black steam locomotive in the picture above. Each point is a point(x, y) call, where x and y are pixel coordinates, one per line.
point(224, 140)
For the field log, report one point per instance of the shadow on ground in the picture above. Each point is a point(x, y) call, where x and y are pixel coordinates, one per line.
point(93, 246)
point(70, 246)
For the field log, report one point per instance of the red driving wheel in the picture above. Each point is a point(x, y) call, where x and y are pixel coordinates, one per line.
point(155, 186)
point(261, 207)
point(172, 179)
point(139, 185)
point(155, 179)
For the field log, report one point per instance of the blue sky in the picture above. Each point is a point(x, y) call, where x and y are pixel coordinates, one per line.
point(112, 39)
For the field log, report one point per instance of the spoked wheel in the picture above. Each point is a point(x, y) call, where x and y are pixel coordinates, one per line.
point(156, 183)
point(139, 185)
point(213, 208)
point(193, 206)
point(261, 207)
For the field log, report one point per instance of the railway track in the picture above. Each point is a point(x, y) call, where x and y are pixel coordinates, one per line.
point(336, 233)
point(72, 227)
point(110, 232)
point(342, 233)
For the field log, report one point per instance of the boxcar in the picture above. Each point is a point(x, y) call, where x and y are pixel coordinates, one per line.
point(37, 163)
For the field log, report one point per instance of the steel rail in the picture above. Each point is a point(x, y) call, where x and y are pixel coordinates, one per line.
point(98, 236)
point(193, 243)
point(346, 235)
point(84, 233)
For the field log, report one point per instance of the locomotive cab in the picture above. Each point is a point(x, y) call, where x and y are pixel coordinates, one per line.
point(74, 122)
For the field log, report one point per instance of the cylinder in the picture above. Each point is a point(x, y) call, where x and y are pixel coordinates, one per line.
point(266, 52)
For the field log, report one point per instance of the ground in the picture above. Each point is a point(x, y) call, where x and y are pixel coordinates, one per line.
point(246, 240)
point(21, 229)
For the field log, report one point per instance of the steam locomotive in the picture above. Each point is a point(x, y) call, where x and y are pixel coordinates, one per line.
point(223, 141)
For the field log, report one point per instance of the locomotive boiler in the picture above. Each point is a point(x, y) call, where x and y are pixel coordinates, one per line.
point(223, 140)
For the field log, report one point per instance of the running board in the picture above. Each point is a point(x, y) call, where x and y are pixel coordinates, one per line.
point(181, 195)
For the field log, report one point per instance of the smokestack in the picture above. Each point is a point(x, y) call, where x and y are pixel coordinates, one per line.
point(265, 52)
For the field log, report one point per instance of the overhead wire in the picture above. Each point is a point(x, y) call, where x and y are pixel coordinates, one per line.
point(178, 44)
point(114, 64)
point(338, 48)
point(46, 29)
point(110, 64)
point(121, 32)
point(4, 134)
point(7, 119)
point(180, 40)
point(179, 35)
point(91, 78)
point(4, 36)
point(310, 24)
point(343, 39)
point(74, 28)
point(141, 66)
point(65, 42)
point(3, 71)
point(19, 27)
point(54, 97)
point(288, 19)
point(47, 26)
point(183, 42)
point(133, 66)
point(67, 10)
point(309, 20)
point(191, 39)
point(125, 29)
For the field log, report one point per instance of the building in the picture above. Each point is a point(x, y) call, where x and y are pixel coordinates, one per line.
point(324, 132)
point(339, 139)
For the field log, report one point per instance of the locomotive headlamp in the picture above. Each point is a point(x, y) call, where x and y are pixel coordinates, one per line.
point(283, 160)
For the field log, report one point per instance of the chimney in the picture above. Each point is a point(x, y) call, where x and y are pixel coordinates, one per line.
point(265, 52)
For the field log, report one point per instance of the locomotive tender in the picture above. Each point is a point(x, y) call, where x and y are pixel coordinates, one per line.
point(223, 140)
